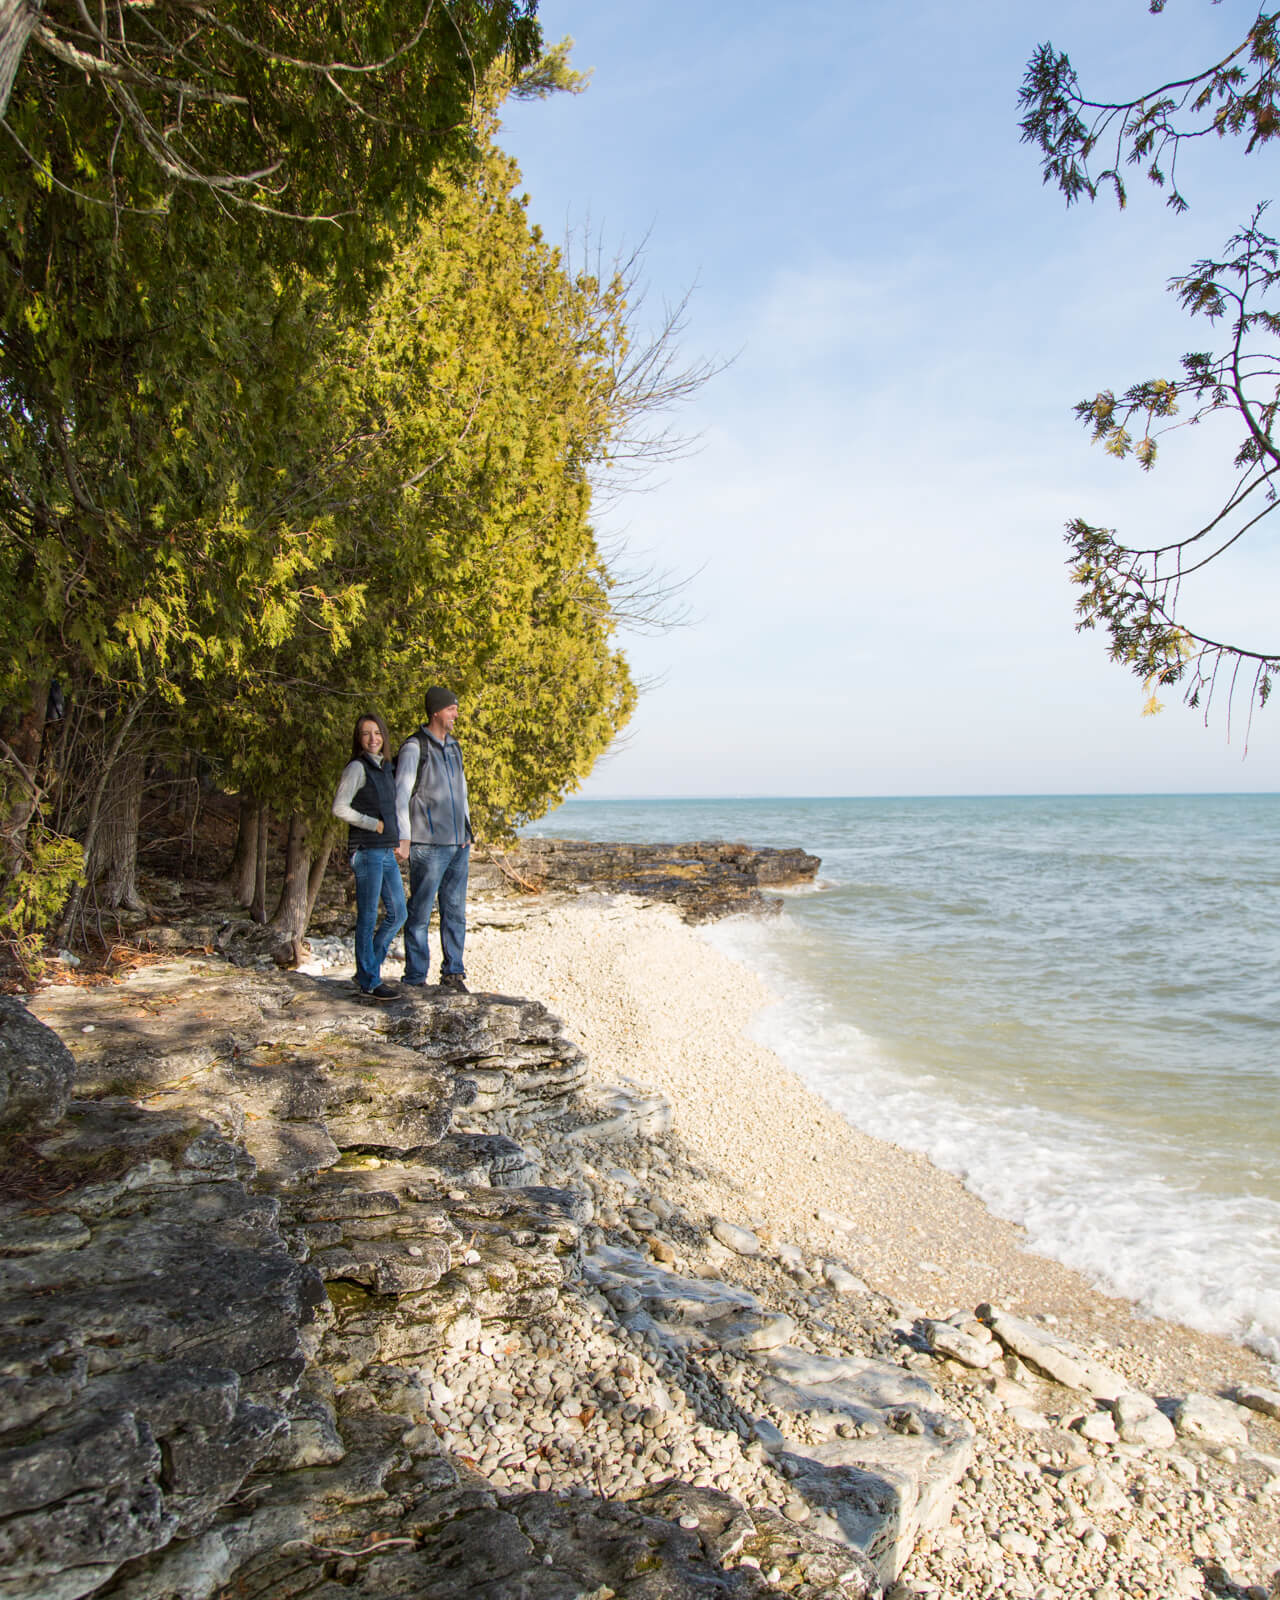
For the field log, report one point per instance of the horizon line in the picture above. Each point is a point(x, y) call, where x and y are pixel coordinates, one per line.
point(990, 794)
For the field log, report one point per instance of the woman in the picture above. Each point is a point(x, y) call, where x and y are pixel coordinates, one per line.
point(366, 802)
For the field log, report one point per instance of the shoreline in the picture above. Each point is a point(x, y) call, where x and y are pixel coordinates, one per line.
point(652, 1000)
point(573, 1255)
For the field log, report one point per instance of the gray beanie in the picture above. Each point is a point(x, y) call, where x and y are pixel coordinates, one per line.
point(438, 699)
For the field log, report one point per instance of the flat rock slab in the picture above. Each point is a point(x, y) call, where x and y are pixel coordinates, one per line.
point(667, 1297)
point(619, 1113)
point(1053, 1357)
point(289, 1065)
point(1211, 1421)
point(478, 1159)
point(105, 1148)
point(882, 1384)
point(888, 1460)
point(300, 1071)
point(752, 1333)
point(153, 1029)
point(460, 1541)
point(152, 1344)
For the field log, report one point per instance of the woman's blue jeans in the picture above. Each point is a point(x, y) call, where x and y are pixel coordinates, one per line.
point(377, 880)
point(436, 871)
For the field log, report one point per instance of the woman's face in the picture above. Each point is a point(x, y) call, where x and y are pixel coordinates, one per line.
point(370, 737)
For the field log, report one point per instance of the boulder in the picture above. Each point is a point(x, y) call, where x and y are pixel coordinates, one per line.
point(36, 1072)
point(944, 1339)
point(1140, 1421)
point(1209, 1420)
point(733, 1237)
point(1098, 1427)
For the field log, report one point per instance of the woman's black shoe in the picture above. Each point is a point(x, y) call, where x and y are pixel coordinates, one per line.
point(384, 991)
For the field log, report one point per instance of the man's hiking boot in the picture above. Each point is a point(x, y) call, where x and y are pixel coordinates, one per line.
point(384, 991)
point(453, 982)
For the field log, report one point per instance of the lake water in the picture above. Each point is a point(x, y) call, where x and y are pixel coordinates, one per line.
point(1071, 1003)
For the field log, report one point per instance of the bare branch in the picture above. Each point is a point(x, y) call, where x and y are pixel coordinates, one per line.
point(115, 72)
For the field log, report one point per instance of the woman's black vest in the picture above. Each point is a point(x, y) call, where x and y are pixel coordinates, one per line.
point(375, 798)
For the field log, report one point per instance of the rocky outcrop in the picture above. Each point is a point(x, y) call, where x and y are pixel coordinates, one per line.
point(291, 1312)
point(1052, 1356)
point(153, 1324)
point(512, 1050)
point(707, 879)
point(303, 1296)
point(299, 1074)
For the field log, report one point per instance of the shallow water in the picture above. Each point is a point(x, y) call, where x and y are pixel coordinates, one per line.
point(1072, 1003)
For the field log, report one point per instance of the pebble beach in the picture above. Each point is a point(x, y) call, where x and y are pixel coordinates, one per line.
point(565, 1286)
point(1046, 1510)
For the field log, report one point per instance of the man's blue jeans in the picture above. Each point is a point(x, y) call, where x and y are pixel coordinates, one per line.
point(436, 871)
point(377, 880)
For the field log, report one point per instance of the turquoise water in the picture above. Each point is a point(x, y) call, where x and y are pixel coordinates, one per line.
point(1072, 1003)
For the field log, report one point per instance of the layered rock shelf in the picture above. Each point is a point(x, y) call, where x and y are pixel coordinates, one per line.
point(305, 1296)
point(706, 879)
point(285, 1304)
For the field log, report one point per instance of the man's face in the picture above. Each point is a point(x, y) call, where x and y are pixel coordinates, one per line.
point(446, 717)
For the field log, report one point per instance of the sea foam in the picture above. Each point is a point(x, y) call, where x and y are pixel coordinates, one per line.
point(1122, 1212)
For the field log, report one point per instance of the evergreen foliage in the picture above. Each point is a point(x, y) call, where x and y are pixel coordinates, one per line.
point(260, 474)
point(333, 116)
point(460, 419)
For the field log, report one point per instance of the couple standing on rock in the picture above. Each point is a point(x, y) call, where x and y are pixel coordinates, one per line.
point(416, 811)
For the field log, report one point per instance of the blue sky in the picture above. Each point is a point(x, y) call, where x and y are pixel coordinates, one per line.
point(871, 528)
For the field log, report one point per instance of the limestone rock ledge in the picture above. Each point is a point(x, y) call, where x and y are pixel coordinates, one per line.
point(705, 879)
point(154, 1328)
point(292, 1305)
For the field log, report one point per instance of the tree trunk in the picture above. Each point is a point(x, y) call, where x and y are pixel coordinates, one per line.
point(315, 878)
point(258, 906)
point(294, 908)
point(242, 874)
point(17, 20)
point(192, 806)
point(75, 905)
point(21, 732)
point(115, 856)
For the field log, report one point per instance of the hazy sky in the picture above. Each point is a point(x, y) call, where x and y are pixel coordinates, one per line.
point(871, 529)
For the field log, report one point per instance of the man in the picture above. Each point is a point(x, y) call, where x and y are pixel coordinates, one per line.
point(435, 835)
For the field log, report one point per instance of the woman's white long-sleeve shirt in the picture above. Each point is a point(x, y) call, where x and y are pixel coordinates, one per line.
point(349, 786)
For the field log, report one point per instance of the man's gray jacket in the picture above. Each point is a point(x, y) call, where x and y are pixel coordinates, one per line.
point(431, 791)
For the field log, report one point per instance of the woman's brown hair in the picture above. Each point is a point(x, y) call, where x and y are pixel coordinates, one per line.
point(357, 749)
